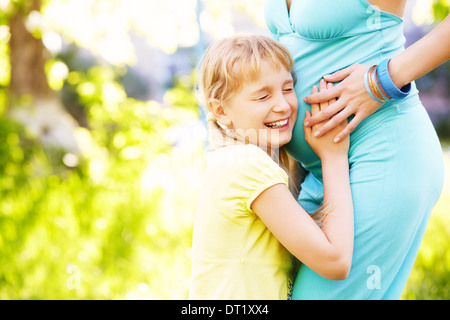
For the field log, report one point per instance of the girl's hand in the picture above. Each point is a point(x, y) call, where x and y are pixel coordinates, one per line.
point(324, 146)
point(352, 98)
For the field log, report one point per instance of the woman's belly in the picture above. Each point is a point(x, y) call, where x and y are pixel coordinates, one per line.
point(313, 60)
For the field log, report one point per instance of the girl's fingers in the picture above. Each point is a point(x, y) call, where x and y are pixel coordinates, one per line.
point(307, 130)
point(330, 86)
point(323, 87)
point(314, 106)
point(323, 96)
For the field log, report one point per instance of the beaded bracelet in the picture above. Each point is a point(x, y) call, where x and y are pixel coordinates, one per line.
point(388, 85)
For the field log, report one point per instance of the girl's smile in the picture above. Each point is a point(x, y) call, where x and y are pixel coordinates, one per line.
point(279, 124)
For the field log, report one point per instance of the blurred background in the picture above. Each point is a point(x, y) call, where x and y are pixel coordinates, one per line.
point(102, 144)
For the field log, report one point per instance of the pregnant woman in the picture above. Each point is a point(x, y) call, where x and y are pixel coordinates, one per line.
point(396, 166)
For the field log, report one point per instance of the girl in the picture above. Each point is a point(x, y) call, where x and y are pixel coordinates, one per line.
point(246, 215)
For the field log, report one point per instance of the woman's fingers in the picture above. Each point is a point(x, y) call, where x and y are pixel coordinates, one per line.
point(323, 111)
point(352, 99)
point(326, 113)
point(326, 108)
point(341, 74)
point(349, 128)
point(340, 115)
point(336, 91)
point(324, 95)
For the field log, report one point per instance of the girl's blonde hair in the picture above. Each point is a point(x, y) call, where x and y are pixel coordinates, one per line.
point(233, 61)
point(226, 66)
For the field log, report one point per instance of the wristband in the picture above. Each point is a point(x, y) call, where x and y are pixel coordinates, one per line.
point(388, 85)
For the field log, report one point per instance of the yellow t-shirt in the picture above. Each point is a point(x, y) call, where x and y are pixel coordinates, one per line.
point(234, 255)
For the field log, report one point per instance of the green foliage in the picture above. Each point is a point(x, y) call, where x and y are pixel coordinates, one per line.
point(111, 222)
point(441, 9)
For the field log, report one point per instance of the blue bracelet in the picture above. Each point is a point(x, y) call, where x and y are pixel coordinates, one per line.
point(388, 85)
point(368, 88)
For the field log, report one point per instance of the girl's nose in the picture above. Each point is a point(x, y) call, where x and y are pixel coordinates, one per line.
point(281, 106)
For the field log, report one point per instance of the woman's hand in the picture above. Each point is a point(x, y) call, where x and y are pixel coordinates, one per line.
point(324, 146)
point(352, 98)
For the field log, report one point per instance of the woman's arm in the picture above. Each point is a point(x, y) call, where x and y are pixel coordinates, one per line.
point(327, 250)
point(422, 56)
point(418, 59)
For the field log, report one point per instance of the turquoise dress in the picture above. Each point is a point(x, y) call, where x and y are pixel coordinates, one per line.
point(396, 163)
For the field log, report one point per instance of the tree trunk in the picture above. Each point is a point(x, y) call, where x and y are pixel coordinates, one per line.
point(27, 57)
point(44, 114)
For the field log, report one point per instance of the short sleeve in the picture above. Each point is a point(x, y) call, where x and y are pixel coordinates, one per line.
point(259, 173)
point(242, 173)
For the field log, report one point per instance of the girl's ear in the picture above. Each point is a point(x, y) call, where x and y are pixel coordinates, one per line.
point(219, 112)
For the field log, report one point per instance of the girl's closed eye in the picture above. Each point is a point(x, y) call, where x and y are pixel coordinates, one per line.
point(263, 97)
point(288, 86)
point(261, 94)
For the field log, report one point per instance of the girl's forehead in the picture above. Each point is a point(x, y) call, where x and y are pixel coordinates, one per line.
point(265, 82)
point(258, 72)
point(267, 73)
